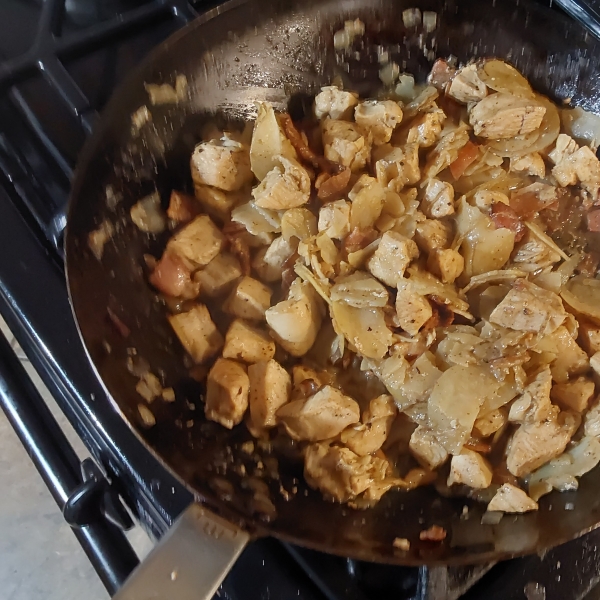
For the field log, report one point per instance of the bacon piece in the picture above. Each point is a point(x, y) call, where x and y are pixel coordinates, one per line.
point(333, 177)
point(359, 239)
point(173, 277)
point(332, 185)
point(506, 217)
point(467, 155)
point(434, 534)
point(441, 74)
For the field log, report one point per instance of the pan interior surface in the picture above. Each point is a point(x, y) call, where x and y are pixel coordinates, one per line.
point(275, 50)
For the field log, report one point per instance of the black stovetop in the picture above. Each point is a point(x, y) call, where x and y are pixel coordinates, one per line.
point(59, 62)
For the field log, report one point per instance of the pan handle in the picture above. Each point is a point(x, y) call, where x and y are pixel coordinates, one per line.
point(587, 12)
point(189, 562)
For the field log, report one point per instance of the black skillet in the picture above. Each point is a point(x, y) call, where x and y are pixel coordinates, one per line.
point(272, 50)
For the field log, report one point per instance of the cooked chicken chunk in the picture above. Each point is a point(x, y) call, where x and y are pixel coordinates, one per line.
point(173, 277)
point(182, 207)
point(412, 309)
point(268, 262)
point(198, 242)
point(575, 395)
point(147, 214)
point(270, 389)
point(286, 186)
point(346, 143)
point(339, 473)
point(391, 257)
point(569, 359)
point(575, 165)
point(426, 449)
point(368, 436)
point(426, 128)
point(249, 299)
point(528, 307)
point(380, 117)
point(592, 420)
point(227, 389)
point(490, 423)
point(248, 343)
point(564, 147)
point(334, 103)
point(197, 333)
point(219, 275)
point(217, 203)
point(432, 234)
point(484, 199)
point(438, 200)
point(534, 403)
point(511, 499)
point(334, 219)
point(470, 468)
point(530, 164)
point(447, 264)
point(296, 321)
point(534, 444)
point(397, 167)
point(224, 164)
point(319, 417)
point(466, 86)
point(501, 116)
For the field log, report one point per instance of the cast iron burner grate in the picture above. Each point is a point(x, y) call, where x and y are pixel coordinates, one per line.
point(59, 62)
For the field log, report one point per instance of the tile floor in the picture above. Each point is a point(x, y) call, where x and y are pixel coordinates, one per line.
point(40, 559)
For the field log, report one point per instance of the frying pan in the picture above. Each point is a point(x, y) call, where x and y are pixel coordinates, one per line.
point(248, 50)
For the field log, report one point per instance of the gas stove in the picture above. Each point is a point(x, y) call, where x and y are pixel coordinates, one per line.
point(60, 60)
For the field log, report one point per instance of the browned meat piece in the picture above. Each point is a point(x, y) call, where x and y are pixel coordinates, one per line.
point(502, 116)
point(182, 208)
point(380, 117)
point(470, 468)
point(197, 333)
point(340, 474)
point(511, 499)
point(534, 403)
point(371, 433)
point(224, 164)
point(434, 534)
point(270, 389)
point(198, 242)
point(227, 389)
point(466, 86)
point(173, 277)
point(575, 395)
point(593, 220)
point(534, 444)
point(322, 416)
point(527, 307)
point(441, 74)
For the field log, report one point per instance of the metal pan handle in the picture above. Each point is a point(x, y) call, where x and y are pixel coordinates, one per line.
point(587, 12)
point(190, 561)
